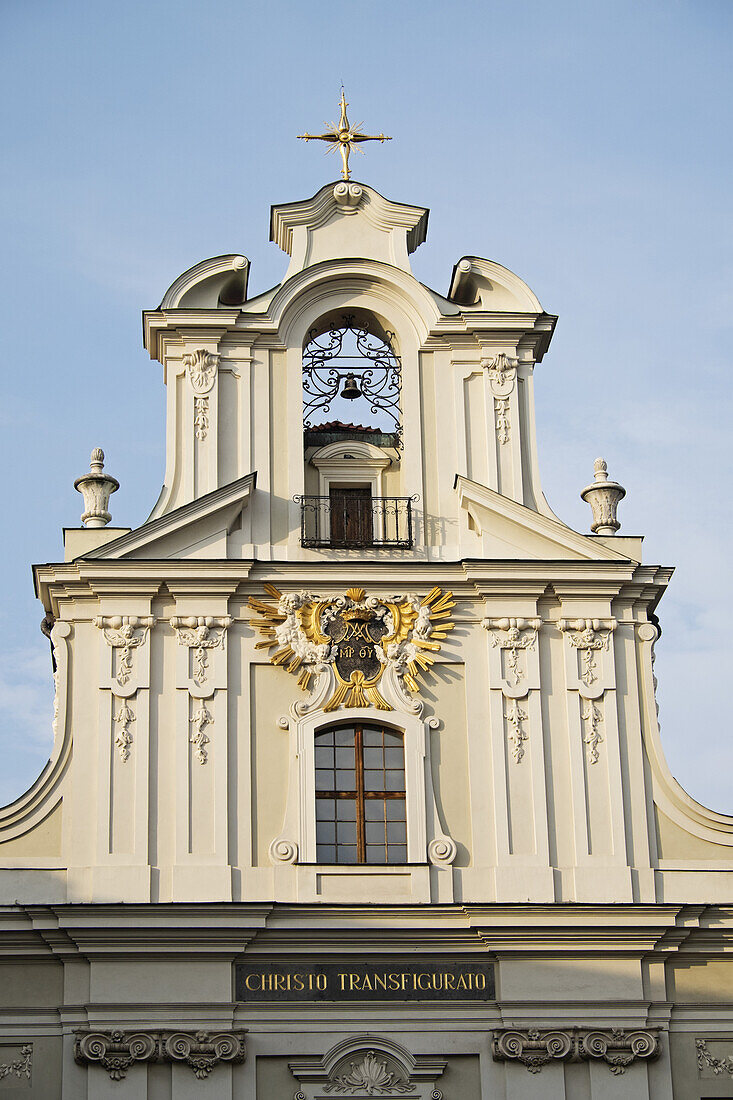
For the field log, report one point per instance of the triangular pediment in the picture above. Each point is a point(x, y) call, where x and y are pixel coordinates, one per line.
point(199, 529)
point(511, 530)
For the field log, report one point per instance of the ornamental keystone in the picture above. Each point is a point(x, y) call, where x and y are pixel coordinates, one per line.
point(604, 497)
point(96, 487)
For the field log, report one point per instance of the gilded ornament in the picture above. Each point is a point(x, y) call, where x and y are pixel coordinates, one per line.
point(355, 635)
point(343, 136)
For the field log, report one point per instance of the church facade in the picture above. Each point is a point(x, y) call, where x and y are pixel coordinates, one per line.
point(357, 787)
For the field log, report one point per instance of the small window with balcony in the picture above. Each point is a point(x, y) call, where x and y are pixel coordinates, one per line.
point(360, 795)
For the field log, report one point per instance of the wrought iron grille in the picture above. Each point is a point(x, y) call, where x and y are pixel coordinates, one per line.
point(348, 521)
point(372, 376)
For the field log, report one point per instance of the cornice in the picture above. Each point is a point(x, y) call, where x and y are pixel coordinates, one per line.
point(470, 578)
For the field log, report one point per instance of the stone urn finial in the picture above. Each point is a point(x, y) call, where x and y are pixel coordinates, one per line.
point(603, 496)
point(96, 487)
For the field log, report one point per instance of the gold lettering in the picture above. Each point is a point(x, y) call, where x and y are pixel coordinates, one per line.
point(419, 978)
point(366, 984)
point(461, 982)
point(380, 979)
point(321, 982)
point(404, 978)
point(298, 983)
point(354, 981)
point(347, 651)
point(449, 980)
point(394, 981)
point(279, 982)
point(249, 978)
point(343, 979)
point(480, 981)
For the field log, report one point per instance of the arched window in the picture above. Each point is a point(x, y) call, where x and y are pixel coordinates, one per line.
point(360, 795)
point(351, 372)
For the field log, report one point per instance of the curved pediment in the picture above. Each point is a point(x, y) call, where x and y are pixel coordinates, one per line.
point(348, 219)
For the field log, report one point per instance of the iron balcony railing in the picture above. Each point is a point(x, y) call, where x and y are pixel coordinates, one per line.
point(348, 520)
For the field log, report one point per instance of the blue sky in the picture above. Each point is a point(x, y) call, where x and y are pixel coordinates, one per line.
point(584, 145)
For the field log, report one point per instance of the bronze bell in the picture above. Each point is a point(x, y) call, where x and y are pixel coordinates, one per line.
point(351, 388)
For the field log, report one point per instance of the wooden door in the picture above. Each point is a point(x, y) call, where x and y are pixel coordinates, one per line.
point(351, 517)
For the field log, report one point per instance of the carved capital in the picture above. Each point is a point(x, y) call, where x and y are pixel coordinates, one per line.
point(587, 636)
point(201, 367)
point(117, 1050)
point(502, 371)
point(532, 1047)
point(203, 1050)
point(201, 633)
point(536, 1047)
point(125, 633)
point(513, 636)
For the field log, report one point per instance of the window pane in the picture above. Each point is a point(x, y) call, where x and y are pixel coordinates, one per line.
point(374, 780)
point(347, 832)
point(374, 809)
point(345, 781)
point(346, 809)
point(326, 853)
point(324, 756)
point(395, 809)
point(372, 738)
point(397, 832)
point(373, 758)
point(343, 737)
point(325, 738)
point(397, 853)
point(326, 833)
point(375, 832)
point(375, 853)
point(325, 809)
point(393, 758)
point(324, 780)
point(345, 758)
point(393, 739)
point(395, 781)
point(347, 853)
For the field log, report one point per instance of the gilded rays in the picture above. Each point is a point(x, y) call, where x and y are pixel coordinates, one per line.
point(358, 637)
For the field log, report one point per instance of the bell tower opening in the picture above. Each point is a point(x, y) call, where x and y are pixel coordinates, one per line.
point(352, 435)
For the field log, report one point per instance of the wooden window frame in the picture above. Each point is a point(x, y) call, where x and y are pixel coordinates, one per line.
point(360, 795)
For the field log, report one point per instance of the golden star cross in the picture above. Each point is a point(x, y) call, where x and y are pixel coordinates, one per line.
point(343, 136)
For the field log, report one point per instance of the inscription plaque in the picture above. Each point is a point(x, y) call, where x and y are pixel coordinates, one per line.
point(363, 981)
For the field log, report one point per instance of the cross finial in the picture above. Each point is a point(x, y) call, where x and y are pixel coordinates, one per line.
point(343, 136)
